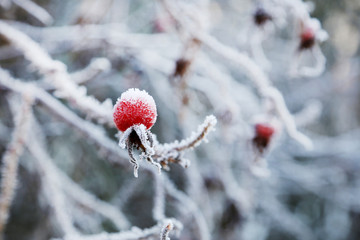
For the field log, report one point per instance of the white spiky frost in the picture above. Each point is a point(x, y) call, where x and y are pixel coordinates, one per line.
point(123, 137)
point(134, 94)
point(143, 136)
point(207, 126)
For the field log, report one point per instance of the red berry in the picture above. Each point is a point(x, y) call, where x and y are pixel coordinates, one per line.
point(263, 130)
point(263, 133)
point(134, 107)
point(307, 38)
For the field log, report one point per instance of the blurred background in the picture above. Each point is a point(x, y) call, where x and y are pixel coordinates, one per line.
point(184, 54)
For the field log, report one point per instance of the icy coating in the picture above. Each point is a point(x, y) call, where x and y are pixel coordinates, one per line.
point(134, 107)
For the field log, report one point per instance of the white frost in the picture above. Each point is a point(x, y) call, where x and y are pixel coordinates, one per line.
point(134, 95)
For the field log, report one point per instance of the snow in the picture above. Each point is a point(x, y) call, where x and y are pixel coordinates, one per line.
point(136, 95)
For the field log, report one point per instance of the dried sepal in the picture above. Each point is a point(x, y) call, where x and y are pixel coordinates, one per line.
point(140, 138)
point(133, 160)
point(261, 16)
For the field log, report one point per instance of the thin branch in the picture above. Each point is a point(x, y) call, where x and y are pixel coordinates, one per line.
point(89, 130)
point(10, 159)
point(164, 235)
point(200, 135)
point(35, 10)
point(72, 189)
point(173, 152)
point(51, 185)
point(255, 73)
point(62, 183)
point(134, 234)
point(188, 205)
point(56, 73)
point(96, 67)
point(159, 197)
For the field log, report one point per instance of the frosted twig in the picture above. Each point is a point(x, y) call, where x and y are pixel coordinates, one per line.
point(287, 118)
point(286, 219)
point(67, 185)
point(310, 113)
point(159, 198)
point(89, 200)
point(128, 189)
point(56, 72)
point(93, 11)
point(88, 129)
point(195, 139)
point(164, 235)
point(263, 85)
point(172, 152)
point(96, 67)
point(10, 159)
point(255, 73)
point(189, 205)
point(241, 197)
point(319, 66)
point(260, 79)
point(257, 49)
point(77, 193)
point(92, 32)
point(133, 234)
point(35, 10)
point(51, 185)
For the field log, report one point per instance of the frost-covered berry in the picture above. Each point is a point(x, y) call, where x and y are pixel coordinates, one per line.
point(307, 38)
point(134, 107)
point(263, 134)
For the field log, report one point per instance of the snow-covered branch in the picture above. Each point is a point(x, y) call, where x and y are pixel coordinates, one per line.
point(10, 159)
point(56, 73)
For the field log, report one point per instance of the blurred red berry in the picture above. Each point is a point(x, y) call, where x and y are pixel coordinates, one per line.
point(159, 26)
point(263, 134)
point(134, 107)
point(307, 38)
point(263, 130)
